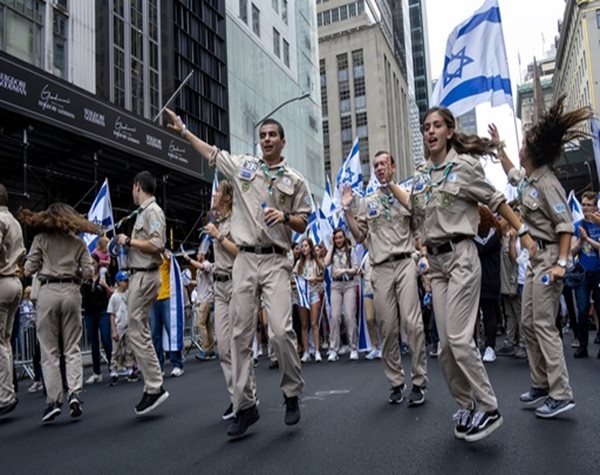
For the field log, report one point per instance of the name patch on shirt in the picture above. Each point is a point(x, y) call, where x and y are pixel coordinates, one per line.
point(451, 178)
point(248, 170)
point(534, 194)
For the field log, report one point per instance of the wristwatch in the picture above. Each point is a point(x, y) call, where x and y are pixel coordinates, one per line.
point(524, 229)
point(286, 217)
point(220, 238)
point(562, 263)
point(128, 241)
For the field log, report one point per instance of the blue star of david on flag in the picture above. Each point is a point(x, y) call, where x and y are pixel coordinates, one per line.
point(463, 60)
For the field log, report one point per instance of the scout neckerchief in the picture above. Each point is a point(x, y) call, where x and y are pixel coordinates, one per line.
point(524, 183)
point(386, 201)
point(446, 167)
point(271, 178)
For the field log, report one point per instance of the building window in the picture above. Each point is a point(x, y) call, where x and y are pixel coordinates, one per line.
point(342, 64)
point(275, 4)
point(244, 11)
point(59, 43)
point(361, 124)
point(21, 25)
point(286, 53)
point(255, 20)
point(276, 43)
point(284, 11)
point(598, 18)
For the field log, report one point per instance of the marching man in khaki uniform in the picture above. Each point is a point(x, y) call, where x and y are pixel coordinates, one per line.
point(144, 247)
point(386, 224)
point(270, 199)
point(546, 212)
point(445, 202)
point(11, 255)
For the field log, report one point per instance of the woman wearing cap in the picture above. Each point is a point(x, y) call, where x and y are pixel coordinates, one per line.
point(62, 260)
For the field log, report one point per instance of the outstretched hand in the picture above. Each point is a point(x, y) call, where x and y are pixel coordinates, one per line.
point(175, 122)
point(494, 134)
point(347, 196)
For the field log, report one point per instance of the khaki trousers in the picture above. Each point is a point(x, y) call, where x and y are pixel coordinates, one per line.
point(343, 295)
point(456, 285)
point(222, 292)
point(372, 325)
point(204, 327)
point(512, 312)
point(10, 296)
point(59, 317)
point(395, 288)
point(143, 290)
point(545, 353)
point(267, 275)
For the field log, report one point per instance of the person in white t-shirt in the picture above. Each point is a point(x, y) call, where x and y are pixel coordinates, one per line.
point(123, 360)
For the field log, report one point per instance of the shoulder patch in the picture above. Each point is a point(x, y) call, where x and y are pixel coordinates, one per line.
point(559, 208)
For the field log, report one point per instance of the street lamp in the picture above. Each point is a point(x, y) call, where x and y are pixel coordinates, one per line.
point(280, 106)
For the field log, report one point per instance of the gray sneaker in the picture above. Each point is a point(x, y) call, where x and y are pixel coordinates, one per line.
point(533, 396)
point(396, 396)
point(506, 350)
point(553, 407)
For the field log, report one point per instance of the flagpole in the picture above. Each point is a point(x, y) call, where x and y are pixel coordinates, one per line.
point(173, 96)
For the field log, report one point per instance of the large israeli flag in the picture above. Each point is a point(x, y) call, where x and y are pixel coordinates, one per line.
point(173, 338)
point(475, 66)
point(575, 207)
point(349, 174)
point(101, 214)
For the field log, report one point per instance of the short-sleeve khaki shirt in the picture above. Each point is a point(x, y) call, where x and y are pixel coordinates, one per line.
point(11, 243)
point(223, 260)
point(149, 226)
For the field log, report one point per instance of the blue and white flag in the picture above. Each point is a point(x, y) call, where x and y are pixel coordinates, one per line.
point(349, 174)
point(575, 207)
point(595, 126)
point(475, 66)
point(100, 213)
point(327, 289)
point(173, 337)
point(364, 340)
point(303, 291)
point(373, 184)
point(215, 186)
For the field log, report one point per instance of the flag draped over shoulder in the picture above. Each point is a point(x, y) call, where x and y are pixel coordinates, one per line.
point(100, 213)
point(173, 338)
point(303, 292)
point(475, 64)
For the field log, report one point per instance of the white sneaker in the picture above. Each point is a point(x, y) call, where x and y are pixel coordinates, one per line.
point(354, 355)
point(305, 357)
point(344, 350)
point(260, 353)
point(176, 372)
point(333, 356)
point(378, 356)
point(489, 356)
point(318, 358)
point(373, 354)
point(94, 378)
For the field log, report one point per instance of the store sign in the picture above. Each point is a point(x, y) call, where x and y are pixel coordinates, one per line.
point(39, 95)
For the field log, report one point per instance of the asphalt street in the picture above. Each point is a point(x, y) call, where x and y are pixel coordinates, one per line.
point(347, 426)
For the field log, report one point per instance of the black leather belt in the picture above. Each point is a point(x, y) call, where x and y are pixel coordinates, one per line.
point(135, 270)
point(447, 246)
point(222, 277)
point(543, 244)
point(8, 276)
point(263, 250)
point(66, 280)
point(396, 257)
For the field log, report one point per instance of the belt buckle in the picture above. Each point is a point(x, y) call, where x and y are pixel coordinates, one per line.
point(435, 250)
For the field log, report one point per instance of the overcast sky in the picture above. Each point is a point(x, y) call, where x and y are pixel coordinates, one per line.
point(529, 30)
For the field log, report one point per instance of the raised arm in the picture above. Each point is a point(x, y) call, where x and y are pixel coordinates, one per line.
point(177, 126)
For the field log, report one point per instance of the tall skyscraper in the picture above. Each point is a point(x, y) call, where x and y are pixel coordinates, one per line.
point(420, 52)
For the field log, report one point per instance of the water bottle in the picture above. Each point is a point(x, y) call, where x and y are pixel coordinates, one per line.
point(102, 274)
point(264, 207)
point(523, 257)
point(427, 298)
point(205, 244)
point(122, 257)
point(423, 265)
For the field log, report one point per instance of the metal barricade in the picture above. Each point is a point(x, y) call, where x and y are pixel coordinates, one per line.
point(25, 348)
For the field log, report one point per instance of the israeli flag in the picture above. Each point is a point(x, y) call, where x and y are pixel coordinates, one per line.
point(327, 288)
point(303, 291)
point(373, 184)
point(100, 213)
point(349, 174)
point(595, 127)
point(173, 337)
point(364, 341)
point(575, 207)
point(215, 185)
point(475, 66)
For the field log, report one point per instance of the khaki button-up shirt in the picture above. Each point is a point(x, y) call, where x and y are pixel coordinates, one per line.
point(11, 243)
point(223, 260)
point(386, 225)
point(343, 259)
point(544, 204)
point(445, 198)
point(251, 185)
point(59, 256)
point(149, 226)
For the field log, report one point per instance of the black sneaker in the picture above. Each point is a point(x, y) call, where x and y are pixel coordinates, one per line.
point(553, 407)
point(242, 420)
point(255, 362)
point(416, 396)
point(274, 364)
point(9, 407)
point(462, 419)
point(580, 352)
point(114, 380)
point(506, 350)
point(483, 424)
point(51, 412)
point(292, 410)
point(132, 378)
point(75, 406)
point(396, 396)
point(533, 396)
point(228, 414)
point(150, 402)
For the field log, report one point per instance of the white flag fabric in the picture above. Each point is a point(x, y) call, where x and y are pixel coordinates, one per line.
point(575, 207)
point(303, 291)
point(100, 213)
point(349, 174)
point(475, 66)
point(595, 126)
point(173, 339)
point(215, 185)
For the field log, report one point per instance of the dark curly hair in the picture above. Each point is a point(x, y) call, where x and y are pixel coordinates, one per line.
point(545, 140)
point(469, 144)
point(58, 217)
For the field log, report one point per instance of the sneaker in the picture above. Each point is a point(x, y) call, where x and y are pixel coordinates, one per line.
point(575, 343)
point(462, 419)
point(259, 353)
point(521, 354)
point(597, 339)
point(206, 355)
point(132, 377)
point(114, 380)
point(489, 356)
point(94, 378)
point(483, 424)
point(51, 412)
point(242, 420)
point(396, 396)
point(176, 372)
point(149, 402)
point(506, 350)
point(255, 362)
point(404, 349)
point(344, 349)
point(353, 355)
point(35, 387)
point(318, 357)
point(75, 406)
point(371, 355)
point(416, 396)
point(228, 414)
point(305, 357)
point(553, 407)
point(292, 410)
point(9, 407)
point(273, 364)
point(324, 345)
point(533, 396)
point(580, 352)
point(435, 350)
point(333, 356)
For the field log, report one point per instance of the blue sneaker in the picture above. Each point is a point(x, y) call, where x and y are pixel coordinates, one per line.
point(553, 407)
